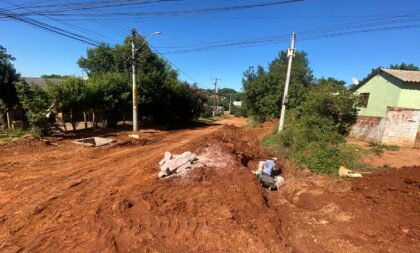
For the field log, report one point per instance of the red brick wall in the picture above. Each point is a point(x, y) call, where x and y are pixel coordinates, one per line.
point(368, 128)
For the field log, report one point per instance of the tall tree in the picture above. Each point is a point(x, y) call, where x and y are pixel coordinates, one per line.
point(158, 83)
point(263, 89)
point(8, 79)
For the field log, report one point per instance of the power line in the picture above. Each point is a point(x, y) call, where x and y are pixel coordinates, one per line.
point(176, 67)
point(49, 28)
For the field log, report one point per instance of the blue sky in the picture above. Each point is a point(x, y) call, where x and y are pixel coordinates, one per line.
point(40, 52)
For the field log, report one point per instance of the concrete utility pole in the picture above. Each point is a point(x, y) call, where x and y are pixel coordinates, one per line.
point(134, 50)
point(133, 68)
point(215, 96)
point(290, 55)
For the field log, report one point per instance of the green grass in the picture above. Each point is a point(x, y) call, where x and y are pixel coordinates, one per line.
point(11, 134)
point(379, 149)
point(209, 119)
point(318, 156)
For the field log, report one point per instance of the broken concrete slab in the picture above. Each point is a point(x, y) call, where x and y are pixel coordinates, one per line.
point(183, 167)
point(176, 164)
point(94, 141)
point(134, 136)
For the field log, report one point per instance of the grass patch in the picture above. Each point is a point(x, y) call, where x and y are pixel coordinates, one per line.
point(209, 119)
point(11, 134)
point(378, 149)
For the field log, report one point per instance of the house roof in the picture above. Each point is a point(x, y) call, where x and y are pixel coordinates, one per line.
point(41, 82)
point(409, 76)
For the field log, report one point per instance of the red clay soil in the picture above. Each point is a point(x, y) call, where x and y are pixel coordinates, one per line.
point(396, 159)
point(74, 199)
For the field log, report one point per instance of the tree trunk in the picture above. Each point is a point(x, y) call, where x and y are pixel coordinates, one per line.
point(73, 124)
point(64, 122)
point(93, 120)
point(9, 125)
point(85, 118)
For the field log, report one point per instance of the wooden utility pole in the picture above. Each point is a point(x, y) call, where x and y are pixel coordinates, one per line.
point(133, 67)
point(290, 55)
point(230, 103)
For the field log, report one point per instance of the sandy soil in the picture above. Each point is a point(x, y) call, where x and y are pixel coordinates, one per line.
point(396, 159)
point(75, 199)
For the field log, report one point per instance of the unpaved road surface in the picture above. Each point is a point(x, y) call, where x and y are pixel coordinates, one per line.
point(69, 198)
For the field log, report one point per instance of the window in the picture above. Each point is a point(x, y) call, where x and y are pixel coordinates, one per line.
point(363, 100)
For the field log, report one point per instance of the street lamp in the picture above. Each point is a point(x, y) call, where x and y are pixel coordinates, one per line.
point(133, 66)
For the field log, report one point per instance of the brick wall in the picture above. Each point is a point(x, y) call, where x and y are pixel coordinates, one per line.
point(368, 128)
point(401, 127)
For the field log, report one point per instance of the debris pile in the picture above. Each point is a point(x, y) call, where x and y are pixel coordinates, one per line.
point(176, 164)
point(94, 141)
point(344, 172)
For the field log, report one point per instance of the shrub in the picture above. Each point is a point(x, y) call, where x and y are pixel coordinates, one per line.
point(36, 103)
point(316, 133)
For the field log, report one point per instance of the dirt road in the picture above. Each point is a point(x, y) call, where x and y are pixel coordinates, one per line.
point(73, 199)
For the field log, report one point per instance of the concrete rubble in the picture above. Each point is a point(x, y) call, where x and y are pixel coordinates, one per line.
point(94, 141)
point(176, 164)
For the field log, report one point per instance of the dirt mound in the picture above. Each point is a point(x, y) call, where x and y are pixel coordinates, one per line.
point(376, 213)
point(208, 210)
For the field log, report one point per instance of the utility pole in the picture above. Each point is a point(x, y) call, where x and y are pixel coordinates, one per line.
point(290, 55)
point(133, 67)
point(230, 103)
point(134, 50)
point(215, 96)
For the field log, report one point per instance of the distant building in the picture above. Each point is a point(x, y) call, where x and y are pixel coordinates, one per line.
point(42, 82)
point(389, 108)
point(237, 103)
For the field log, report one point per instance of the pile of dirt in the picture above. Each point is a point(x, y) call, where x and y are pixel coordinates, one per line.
point(211, 210)
point(376, 213)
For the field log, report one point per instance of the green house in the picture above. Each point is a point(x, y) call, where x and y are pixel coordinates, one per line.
point(389, 88)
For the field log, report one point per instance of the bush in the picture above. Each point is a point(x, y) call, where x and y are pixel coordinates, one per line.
point(316, 133)
point(36, 104)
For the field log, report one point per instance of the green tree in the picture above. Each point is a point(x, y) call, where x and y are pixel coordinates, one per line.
point(263, 89)
point(8, 79)
point(109, 97)
point(70, 98)
point(328, 103)
point(55, 76)
point(37, 105)
point(159, 89)
point(404, 66)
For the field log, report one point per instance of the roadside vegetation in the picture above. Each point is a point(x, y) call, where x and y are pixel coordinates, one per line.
point(379, 149)
point(106, 96)
point(319, 117)
point(9, 134)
